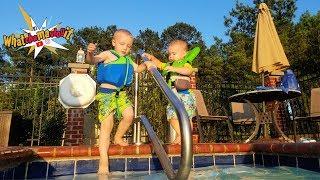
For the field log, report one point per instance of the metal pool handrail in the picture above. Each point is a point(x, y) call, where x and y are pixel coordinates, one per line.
point(185, 130)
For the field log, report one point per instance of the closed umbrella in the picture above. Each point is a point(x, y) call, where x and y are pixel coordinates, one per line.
point(268, 53)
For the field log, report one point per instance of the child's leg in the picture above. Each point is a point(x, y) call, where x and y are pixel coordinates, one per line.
point(124, 126)
point(104, 142)
point(175, 124)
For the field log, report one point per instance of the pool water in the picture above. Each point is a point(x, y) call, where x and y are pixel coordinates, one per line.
point(213, 172)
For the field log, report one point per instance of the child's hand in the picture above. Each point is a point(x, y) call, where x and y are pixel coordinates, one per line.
point(149, 56)
point(150, 65)
point(91, 48)
point(170, 69)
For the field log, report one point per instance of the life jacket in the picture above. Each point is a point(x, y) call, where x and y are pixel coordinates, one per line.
point(118, 73)
point(187, 59)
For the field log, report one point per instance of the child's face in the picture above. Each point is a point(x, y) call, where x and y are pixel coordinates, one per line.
point(122, 43)
point(176, 52)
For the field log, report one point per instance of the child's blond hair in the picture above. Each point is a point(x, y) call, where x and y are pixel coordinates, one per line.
point(181, 43)
point(124, 31)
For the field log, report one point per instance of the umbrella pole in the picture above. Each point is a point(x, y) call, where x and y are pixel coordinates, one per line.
point(262, 78)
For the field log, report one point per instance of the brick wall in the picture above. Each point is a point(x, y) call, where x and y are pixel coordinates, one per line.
point(273, 81)
point(195, 132)
point(193, 81)
point(74, 129)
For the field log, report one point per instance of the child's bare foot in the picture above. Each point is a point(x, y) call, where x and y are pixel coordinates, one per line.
point(103, 167)
point(120, 142)
point(177, 140)
point(103, 176)
point(103, 171)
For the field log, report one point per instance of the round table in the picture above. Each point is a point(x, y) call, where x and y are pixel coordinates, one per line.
point(259, 96)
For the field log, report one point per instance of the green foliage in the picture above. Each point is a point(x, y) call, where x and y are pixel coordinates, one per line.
point(184, 32)
point(52, 130)
point(241, 24)
point(211, 65)
point(152, 103)
point(149, 41)
point(243, 17)
point(103, 37)
point(5, 98)
point(2, 57)
point(237, 66)
point(304, 45)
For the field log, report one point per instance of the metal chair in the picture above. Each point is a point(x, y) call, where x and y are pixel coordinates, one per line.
point(243, 120)
point(309, 126)
point(211, 128)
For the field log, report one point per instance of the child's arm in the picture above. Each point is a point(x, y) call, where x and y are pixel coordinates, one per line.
point(156, 61)
point(185, 70)
point(143, 66)
point(105, 56)
point(139, 68)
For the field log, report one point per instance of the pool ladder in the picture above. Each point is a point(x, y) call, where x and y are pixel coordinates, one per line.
point(185, 130)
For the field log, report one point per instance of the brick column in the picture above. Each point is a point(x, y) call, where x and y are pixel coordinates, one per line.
point(193, 81)
point(274, 81)
point(195, 133)
point(75, 116)
point(74, 130)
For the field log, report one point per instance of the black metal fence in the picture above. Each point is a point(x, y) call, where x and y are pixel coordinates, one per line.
point(37, 114)
point(39, 118)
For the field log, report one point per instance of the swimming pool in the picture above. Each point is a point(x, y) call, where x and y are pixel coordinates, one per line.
point(214, 172)
point(294, 160)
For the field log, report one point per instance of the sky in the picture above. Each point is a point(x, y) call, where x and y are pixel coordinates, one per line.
point(206, 15)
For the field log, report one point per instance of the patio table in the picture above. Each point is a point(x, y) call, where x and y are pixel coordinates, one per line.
point(259, 96)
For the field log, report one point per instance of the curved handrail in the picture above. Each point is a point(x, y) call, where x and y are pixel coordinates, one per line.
point(185, 130)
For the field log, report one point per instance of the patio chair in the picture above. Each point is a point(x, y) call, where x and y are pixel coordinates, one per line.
point(211, 128)
point(243, 120)
point(241, 113)
point(309, 126)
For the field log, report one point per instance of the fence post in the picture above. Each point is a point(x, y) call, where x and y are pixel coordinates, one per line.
point(5, 122)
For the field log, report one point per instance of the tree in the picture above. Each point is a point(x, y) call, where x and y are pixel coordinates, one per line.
point(96, 35)
point(149, 41)
point(5, 66)
point(243, 17)
point(241, 24)
point(22, 63)
point(210, 66)
point(305, 44)
point(182, 31)
point(2, 54)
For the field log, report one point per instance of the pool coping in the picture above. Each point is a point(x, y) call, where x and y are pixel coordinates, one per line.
point(302, 149)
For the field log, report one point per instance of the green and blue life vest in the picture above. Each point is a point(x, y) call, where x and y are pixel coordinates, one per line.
point(118, 73)
point(187, 59)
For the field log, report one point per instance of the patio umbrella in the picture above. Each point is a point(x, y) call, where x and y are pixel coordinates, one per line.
point(268, 53)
